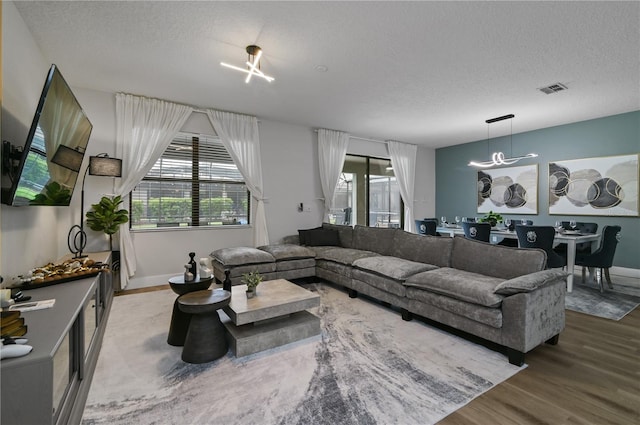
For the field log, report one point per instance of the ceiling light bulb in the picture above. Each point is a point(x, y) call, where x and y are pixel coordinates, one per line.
point(256, 52)
point(253, 66)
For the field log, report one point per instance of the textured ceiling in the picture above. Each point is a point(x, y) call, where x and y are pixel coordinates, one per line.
point(422, 72)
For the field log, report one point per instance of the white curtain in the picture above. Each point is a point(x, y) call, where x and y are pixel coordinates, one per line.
point(239, 134)
point(144, 129)
point(403, 161)
point(332, 149)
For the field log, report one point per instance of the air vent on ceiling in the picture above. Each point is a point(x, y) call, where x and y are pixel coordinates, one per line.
point(553, 88)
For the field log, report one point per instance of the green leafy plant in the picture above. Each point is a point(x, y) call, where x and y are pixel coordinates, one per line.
point(52, 194)
point(492, 218)
point(252, 280)
point(106, 216)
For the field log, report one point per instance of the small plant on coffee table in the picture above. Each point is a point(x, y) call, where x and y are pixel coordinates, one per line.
point(252, 280)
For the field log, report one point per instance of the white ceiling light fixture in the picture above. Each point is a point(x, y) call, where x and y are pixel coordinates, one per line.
point(253, 64)
point(498, 158)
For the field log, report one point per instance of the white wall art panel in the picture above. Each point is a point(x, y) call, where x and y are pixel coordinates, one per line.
point(511, 190)
point(594, 186)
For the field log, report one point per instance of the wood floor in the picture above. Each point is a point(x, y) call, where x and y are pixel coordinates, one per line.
point(591, 377)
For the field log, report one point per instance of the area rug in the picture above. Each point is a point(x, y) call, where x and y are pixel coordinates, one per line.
point(367, 367)
point(610, 304)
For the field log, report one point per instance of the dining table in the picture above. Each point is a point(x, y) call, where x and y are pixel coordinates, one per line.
point(571, 238)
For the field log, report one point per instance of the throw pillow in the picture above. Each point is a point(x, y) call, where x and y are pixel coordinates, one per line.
point(302, 234)
point(529, 282)
point(322, 237)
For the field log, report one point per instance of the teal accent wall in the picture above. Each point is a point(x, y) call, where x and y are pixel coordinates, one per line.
point(608, 136)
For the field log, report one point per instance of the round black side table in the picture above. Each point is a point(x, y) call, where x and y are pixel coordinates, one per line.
point(180, 320)
point(206, 339)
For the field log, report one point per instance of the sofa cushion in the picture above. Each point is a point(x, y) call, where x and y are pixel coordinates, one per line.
point(436, 302)
point(374, 239)
point(291, 240)
point(338, 269)
point(423, 248)
point(287, 252)
point(241, 256)
point(295, 264)
point(302, 233)
point(495, 260)
point(340, 255)
point(320, 237)
point(382, 283)
point(394, 268)
point(345, 234)
point(530, 282)
point(459, 284)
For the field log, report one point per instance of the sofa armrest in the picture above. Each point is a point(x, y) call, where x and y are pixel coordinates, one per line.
point(531, 318)
point(530, 282)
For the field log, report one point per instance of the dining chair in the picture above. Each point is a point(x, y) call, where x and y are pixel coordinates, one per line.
point(602, 258)
point(582, 247)
point(477, 231)
point(426, 227)
point(540, 237)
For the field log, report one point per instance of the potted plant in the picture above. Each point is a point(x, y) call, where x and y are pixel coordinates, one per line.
point(53, 194)
point(492, 218)
point(252, 280)
point(106, 216)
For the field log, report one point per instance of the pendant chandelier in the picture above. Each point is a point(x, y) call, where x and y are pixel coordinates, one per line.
point(253, 64)
point(498, 158)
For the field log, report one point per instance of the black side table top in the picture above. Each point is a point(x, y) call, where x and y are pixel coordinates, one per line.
point(204, 301)
point(180, 287)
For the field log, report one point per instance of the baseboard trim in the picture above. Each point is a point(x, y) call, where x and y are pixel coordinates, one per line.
point(625, 271)
point(149, 281)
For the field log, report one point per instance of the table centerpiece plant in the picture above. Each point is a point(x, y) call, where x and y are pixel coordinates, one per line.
point(252, 280)
point(492, 218)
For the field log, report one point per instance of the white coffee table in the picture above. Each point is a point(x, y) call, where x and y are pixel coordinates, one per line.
point(275, 316)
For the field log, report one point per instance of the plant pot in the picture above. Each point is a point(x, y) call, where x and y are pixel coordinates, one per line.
point(251, 294)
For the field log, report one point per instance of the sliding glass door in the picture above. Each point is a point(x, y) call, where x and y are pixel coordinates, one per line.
point(368, 194)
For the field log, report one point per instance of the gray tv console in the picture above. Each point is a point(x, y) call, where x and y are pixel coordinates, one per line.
point(50, 384)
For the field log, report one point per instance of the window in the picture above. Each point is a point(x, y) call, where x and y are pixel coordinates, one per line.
point(193, 184)
point(367, 194)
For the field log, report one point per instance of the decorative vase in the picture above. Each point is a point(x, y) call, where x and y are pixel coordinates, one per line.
point(193, 267)
point(205, 270)
point(188, 276)
point(251, 294)
point(226, 284)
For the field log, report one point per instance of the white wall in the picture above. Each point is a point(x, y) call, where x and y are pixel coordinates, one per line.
point(31, 236)
point(425, 185)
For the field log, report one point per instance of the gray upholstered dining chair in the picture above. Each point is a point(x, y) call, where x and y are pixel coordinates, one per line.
point(602, 258)
point(426, 227)
point(541, 237)
point(477, 231)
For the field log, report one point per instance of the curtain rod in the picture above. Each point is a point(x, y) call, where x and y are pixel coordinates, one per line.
point(204, 111)
point(366, 139)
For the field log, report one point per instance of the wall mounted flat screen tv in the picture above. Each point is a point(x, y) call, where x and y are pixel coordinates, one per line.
point(55, 146)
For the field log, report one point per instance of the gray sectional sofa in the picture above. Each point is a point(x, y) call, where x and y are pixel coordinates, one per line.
point(498, 293)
